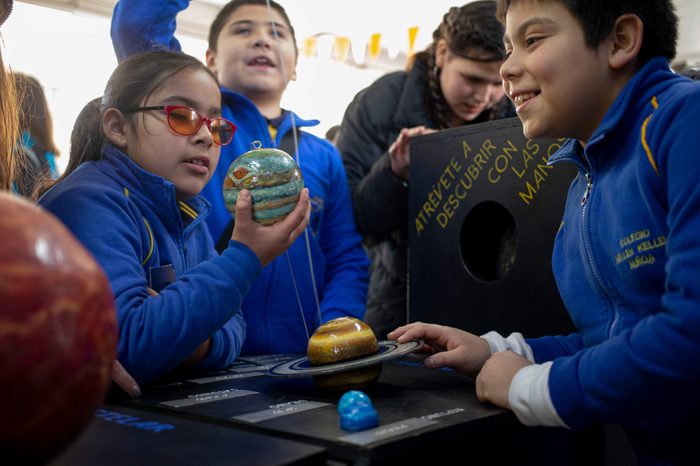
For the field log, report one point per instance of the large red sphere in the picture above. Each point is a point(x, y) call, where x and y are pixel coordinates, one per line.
point(57, 333)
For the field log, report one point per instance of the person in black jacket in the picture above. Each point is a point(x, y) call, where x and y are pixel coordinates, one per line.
point(453, 82)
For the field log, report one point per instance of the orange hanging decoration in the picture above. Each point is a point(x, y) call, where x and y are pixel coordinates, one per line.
point(341, 48)
point(310, 48)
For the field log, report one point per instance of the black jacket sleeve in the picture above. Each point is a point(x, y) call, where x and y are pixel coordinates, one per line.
point(379, 197)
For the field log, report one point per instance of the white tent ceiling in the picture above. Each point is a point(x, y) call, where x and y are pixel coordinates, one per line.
point(323, 90)
point(358, 19)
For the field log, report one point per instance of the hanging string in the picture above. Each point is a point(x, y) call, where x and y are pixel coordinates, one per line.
point(296, 292)
point(280, 59)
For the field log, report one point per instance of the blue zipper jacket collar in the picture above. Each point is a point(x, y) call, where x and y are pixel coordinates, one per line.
point(254, 121)
point(154, 191)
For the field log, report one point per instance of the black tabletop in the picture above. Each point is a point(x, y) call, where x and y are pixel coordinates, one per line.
point(120, 436)
point(421, 411)
point(244, 416)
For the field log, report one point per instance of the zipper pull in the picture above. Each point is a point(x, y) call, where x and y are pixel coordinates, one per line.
point(589, 184)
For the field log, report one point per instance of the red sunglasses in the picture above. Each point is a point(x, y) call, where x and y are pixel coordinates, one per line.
point(186, 121)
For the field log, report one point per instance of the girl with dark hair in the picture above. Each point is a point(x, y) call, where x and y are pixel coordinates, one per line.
point(453, 82)
point(140, 156)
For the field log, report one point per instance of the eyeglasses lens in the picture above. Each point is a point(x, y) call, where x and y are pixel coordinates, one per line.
point(186, 122)
point(221, 131)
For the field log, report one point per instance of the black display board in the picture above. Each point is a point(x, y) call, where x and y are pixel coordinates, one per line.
point(484, 208)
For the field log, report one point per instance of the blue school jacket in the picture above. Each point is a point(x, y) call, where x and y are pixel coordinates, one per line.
point(627, 264)
point(132, 223)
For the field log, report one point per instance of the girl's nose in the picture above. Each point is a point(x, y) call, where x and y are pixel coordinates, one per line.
point(488, 92)
point(203, 135)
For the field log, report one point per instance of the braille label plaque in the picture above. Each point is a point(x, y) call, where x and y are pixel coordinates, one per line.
point(224, 376)
point(208, 397)
point(282, 409)
point(387, 431)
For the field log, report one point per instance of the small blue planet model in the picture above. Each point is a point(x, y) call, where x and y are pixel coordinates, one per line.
point(273, 179)
point(356, 411)
point(351, 397)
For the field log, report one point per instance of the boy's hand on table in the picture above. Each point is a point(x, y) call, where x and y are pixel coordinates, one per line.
point(493, 382)
point(448, 346)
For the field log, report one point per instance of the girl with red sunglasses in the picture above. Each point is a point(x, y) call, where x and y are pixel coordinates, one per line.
point(140, 156)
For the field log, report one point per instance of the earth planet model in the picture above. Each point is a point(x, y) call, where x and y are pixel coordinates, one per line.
point(58, 334)
point(273, 179)
point(339, 340)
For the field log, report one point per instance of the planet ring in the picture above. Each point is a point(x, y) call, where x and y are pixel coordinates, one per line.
point(388, 350)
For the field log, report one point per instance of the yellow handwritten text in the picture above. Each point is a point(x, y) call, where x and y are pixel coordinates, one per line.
point(527, 163)
point(466, 181)
point(437, 193)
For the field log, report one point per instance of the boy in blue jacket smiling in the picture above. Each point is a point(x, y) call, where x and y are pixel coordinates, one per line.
point(627, 255)
point(252, 50)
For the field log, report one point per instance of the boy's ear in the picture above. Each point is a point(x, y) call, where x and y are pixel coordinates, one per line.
point(440, 53)
point(626, 40)
point(115, 127)
point(211, 61)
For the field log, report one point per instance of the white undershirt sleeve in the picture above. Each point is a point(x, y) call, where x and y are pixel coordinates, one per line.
point(515, 343)
point(529, 397)
point(528, 394)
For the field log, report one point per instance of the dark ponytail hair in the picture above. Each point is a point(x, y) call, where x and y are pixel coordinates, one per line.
point(471, 31)
point(131, 83)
